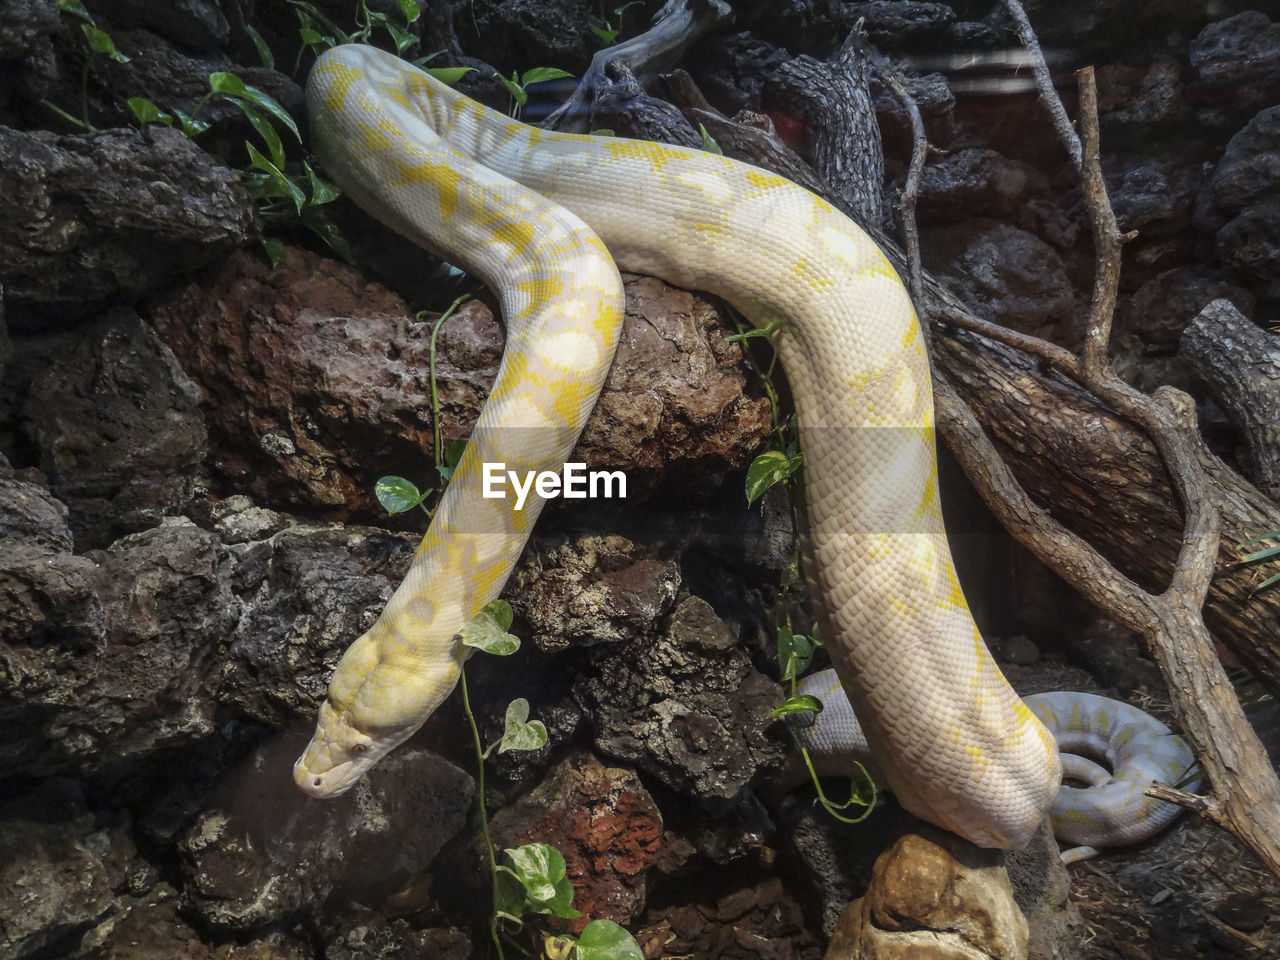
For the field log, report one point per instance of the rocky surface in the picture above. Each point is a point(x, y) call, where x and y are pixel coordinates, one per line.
point(933, 896)
point(114, 213)
point(183, 428)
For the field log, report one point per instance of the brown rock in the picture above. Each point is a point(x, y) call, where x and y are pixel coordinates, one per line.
point(604, 822)
point(933, 897)
point(317, 383)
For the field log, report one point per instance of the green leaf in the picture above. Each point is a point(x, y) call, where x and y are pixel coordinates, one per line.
point(100, 42)
point(453, 452)
point(509, 895)
point(709, 142)
point(264, 52)
point(795, 650)
point(324, 228)
point(449, 75)
point(512, 84)
point(148, 112)
point(561, 904)
point(265, 130)
point(229, 83)
point(802, 703)
point(606, 940)
point(76, 9)
point(410, 10)
point(273, 247)
point(539, 74)
point(396, 494)
point(321, 190)
point(487, 630)
point(602, 30)
point(771, 467)
point(191, 127)
point(519, 732)
point(539, 867)
point(280, 184)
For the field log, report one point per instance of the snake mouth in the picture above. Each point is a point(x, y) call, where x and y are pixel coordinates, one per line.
point(331, 779)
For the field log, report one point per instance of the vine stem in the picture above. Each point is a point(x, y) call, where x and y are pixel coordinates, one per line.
point(484, 815)
point(436, 444)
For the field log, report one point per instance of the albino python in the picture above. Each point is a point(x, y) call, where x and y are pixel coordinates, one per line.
point(1111, 808)
point(502, 199)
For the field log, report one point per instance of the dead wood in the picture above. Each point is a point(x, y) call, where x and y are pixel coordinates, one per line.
point(675, 27)
point(1239, 362)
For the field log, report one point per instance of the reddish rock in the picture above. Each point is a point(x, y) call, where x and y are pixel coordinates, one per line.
point(604, 822)
point(316, 383)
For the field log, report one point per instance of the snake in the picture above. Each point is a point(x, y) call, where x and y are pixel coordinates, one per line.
point(546, 220)
point(1109, 808)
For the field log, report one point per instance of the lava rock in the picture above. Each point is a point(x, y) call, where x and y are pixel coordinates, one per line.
point(114, 213)
point(119, 430)
point(263, 851)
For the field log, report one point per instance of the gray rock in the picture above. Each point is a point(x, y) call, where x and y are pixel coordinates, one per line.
point(690, 713)
point(1151, 195)
point(262, 851)
point(1249, 244)
point(197, 24)
point(309, 592)
point(57, 873)
point(971, 180)
point(109, 658)
point(362, 934)
point(592, 590)
point(1247, 172)
point(1237, 66)
point(1008, 275)
point(23, 23)
point(118, 212)
point(119, 430)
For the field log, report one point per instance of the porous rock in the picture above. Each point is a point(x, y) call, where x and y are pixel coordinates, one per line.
point(362, 934)
point(119, 430)
point(262, 850)
point(109, 657)
point(1248, 171)
point(1007, 275)
point(755, 921)
point(56, 869)
point(310, 402)
point(309, 592)
point(679, 403)
point(114, 213)
point(933, 896)
point(687, 707)
point(604, 822)
point(592, 590)
point(316, 380)
point(1236, 62)
point(24, 23)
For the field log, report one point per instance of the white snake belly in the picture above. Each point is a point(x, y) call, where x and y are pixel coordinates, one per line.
point(1111, 810)
point(948, 734)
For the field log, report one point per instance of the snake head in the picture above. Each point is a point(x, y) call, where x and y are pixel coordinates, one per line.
point(338, 755)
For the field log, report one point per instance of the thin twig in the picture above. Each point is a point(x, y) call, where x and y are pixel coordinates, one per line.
point(920, 148)
point(1044, 82)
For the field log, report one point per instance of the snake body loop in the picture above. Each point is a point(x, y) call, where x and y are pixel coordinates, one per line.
point(1109, 807)
point(948, 734)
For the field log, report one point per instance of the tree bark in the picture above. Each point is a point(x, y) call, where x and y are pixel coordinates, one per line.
point(1103, 479)
point(1240, 364)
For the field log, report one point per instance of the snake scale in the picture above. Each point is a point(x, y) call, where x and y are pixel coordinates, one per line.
point(543, 218)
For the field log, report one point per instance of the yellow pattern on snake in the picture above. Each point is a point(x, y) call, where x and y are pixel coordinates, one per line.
point(949, 735)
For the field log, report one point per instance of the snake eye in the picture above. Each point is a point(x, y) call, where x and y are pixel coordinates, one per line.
point(359, 748)
point(318, 782)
